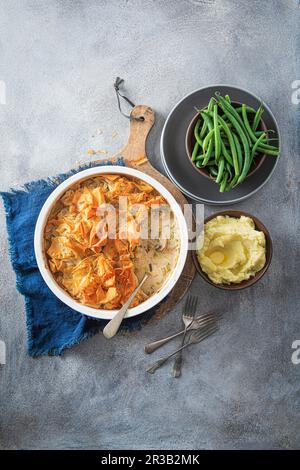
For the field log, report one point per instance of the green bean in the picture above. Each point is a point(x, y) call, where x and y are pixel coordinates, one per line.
point(203, 130)
point(257, 117)
point(238, 151)
point(213, 171)
point(196, 129)
point(269, 147)
point(274, 151)
point(208, 137)
point(230, 140)
point(209, 107)
point(209, 152)
point(269, 131)
point(255, 147)
point(208, 121)
point(225, 142)
point(265, 140)
point(244, 140)
point(224, 182)
point(195, 151)
point(232, 145)
point(200, 159)
point(196, 132)
point(230, 109)
point(253, 136)
point(226, 120)
point(212, 163)
point(217, 133)
point(220, 170)
point(228, 168)
point(225, 153)
point(206, 118)
point(233, 182)
point(247, 125)
point(200, 142)
point(249, 110)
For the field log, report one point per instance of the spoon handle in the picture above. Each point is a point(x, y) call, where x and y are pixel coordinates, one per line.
point(112, 327)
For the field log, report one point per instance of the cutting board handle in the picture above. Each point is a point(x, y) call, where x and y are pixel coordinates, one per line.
point(134, 152)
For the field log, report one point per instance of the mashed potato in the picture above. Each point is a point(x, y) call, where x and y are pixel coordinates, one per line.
point(232, 250)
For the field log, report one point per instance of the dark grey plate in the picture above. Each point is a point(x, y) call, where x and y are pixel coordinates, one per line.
point(176, 163)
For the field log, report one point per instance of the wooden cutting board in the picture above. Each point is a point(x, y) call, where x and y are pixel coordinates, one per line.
point(134, 155)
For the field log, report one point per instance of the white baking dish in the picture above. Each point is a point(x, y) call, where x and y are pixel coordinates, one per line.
point(42, 261)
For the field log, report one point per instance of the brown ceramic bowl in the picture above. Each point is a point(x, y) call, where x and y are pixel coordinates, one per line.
point(190, 142)
point(269, 251)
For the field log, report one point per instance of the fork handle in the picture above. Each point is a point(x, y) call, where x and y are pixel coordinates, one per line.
point(157, 365)
point(151, 347)
point(178, 359)
point(160, 362)
point(177, 365)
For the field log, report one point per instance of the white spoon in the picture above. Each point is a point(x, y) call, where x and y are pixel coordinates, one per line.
point(112, 327)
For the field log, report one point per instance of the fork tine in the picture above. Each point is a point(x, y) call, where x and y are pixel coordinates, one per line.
point(187, 304)
point(189, 307)
point(214, 315)
point(193, 300)
point(185, 308)
point(195, 304)
point(191, 312)
point(207, 321)
point(208, 316)
point(204, 333)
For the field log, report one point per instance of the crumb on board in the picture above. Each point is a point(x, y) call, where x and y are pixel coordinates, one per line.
point(114, 134)
point(99, 151)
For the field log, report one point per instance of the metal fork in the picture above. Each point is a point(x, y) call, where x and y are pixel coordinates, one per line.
point(196, 337)
point(197, 323)
point(189, 312)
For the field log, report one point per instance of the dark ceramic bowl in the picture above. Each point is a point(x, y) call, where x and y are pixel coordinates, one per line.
point(190, 142)
point(269, 251)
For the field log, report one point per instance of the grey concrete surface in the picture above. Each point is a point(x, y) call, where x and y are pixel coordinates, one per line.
point(58, 59)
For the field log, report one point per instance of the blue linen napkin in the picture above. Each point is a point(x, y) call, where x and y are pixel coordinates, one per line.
point(51, 325)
